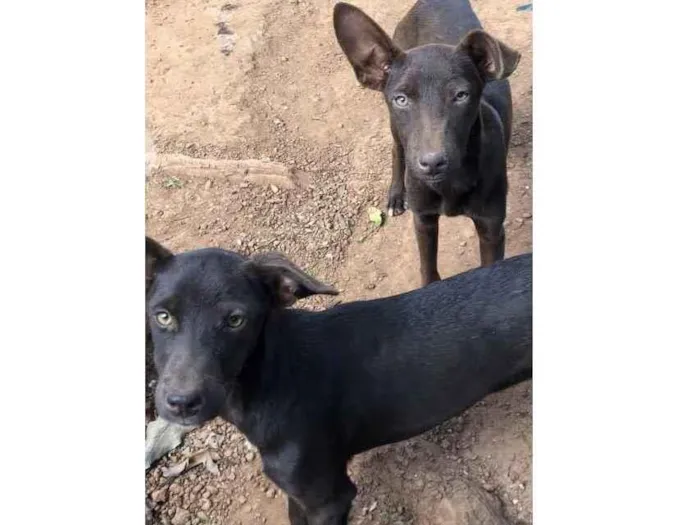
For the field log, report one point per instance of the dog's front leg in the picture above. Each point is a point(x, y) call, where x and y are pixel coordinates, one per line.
point(492, 239)
point(427, 231)
point(296, 513)
point(319, 491)
point(325, 502)
point(396, 204)
point(333, 509)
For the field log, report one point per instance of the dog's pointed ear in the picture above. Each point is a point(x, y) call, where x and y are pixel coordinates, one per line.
point(368, 48)
point(285, 280)
point(493, 59)
point(155, 255)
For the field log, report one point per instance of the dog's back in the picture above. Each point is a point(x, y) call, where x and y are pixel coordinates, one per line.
point(397, 366)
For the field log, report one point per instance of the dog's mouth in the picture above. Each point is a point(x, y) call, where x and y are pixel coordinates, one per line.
point(194, 420)
point(434, 181)
point(436, 178)
point(190, 421)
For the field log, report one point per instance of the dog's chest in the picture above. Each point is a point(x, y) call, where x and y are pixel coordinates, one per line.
point(449, 200)
point(453, 206)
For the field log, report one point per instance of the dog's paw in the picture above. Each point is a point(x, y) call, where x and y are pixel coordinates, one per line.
point(396, 205)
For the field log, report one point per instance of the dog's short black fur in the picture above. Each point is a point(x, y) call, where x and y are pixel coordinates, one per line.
point(311, 389)
point(444, 82)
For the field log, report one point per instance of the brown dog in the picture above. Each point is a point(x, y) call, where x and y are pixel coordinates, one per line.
point(444, 82)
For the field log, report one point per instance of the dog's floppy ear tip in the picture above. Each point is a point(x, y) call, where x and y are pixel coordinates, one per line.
point(329, 290)
point(156, 252)
point(288, 281)
point(516, 56)
point(494, 59)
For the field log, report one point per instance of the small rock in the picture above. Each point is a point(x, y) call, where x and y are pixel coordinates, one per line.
point(206, 504)
point(242, 500)
point(274, 188)
point(527, 215)
point(370, 286)
point(463, 244)
point(175, 489)
point(160, 495)
point(249, 456)
point(270, 493)
point(246, 508)
point(181, 517)
point(373, 506)
point(207, 185)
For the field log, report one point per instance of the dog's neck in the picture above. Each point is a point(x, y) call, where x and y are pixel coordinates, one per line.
point(472, 151)
point(254, 392)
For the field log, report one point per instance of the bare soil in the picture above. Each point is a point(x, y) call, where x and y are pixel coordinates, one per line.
point(259, 138)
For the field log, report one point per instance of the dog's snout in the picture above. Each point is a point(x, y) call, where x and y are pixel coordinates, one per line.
point(185, 404)
point(432, 162)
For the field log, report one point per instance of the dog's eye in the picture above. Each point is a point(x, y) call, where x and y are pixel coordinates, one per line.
point(235, 320)
point(164, 319)
point(400, 101)
point(461, 96)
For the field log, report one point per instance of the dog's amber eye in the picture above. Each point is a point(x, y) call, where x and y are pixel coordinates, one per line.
point(164, 319)
point(235, 320)
point(461, 96)
point(401, 101)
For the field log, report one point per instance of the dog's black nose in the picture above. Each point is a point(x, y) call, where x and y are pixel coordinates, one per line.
point(432, 162)
point(185, 404)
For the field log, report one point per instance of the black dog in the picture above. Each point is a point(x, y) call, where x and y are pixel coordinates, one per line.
point(312, 389)
point(443, 79)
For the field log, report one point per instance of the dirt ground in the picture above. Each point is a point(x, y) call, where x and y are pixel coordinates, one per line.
point(259, 138)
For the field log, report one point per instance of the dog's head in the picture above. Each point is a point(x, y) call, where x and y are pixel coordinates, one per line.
point(433, 92)
point(206, 310)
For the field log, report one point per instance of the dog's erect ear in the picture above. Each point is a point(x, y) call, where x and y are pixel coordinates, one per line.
point(368, 48)
point(155, 255)
point(285, 280)
point(493, 59)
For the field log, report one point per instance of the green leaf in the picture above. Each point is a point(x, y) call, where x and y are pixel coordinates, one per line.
point(376, 216)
